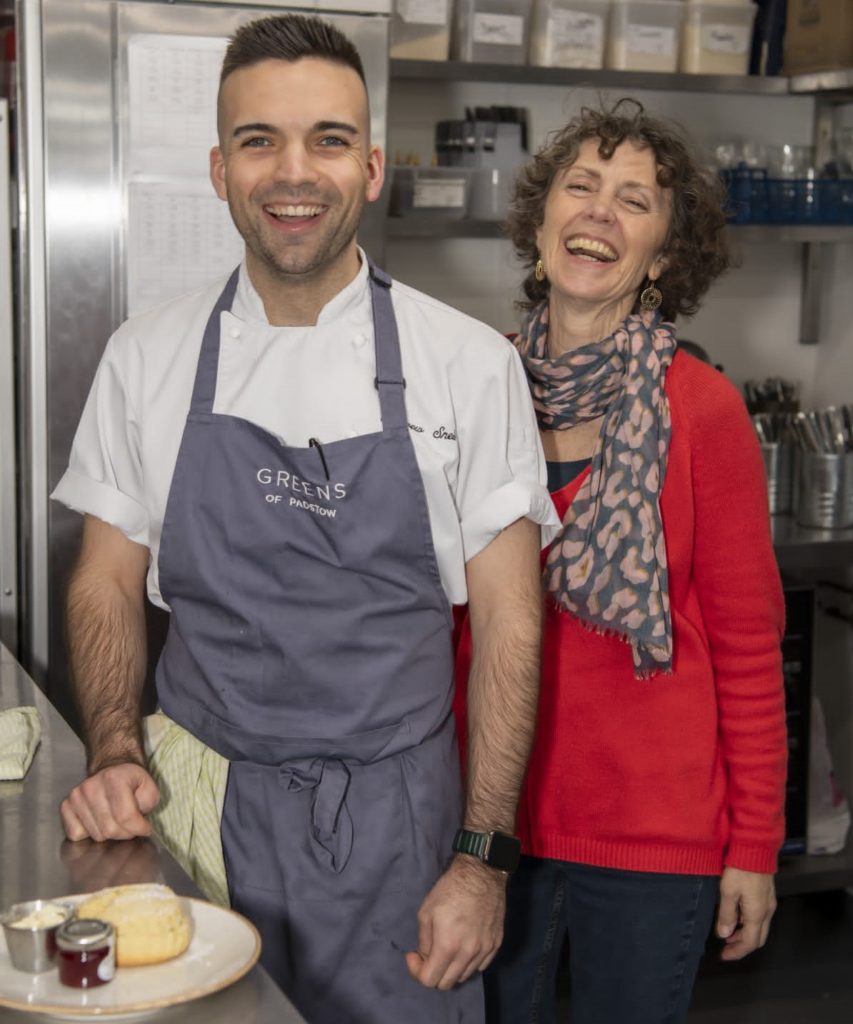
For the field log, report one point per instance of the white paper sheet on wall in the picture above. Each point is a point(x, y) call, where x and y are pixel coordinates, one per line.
point(172, 84)
point(179, 234)
point(180, 237)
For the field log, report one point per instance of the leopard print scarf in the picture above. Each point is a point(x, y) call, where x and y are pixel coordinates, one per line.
point(608, 566)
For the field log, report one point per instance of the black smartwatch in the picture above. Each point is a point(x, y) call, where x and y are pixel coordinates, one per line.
point(496, 849)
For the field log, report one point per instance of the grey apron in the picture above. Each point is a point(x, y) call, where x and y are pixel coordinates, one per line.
point(310, 644)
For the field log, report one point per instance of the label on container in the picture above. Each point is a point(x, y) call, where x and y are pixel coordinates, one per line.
point(654, 39)
point(498, 29)
point(726, 38)
point(107, 967)
point(423, 12)
point(573, 32)
point(448, 193)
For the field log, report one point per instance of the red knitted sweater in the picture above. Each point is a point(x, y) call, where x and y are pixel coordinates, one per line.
point(681, 773)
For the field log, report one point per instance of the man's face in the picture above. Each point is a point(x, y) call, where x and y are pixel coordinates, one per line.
point(295, 163)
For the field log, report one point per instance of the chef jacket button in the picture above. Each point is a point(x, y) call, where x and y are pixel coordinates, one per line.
point(235, 332)
point(359, 340)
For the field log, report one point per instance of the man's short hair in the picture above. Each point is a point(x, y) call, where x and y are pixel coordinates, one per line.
point(289, 37)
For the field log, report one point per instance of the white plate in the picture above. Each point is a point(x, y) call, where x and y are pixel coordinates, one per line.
point(223, 948)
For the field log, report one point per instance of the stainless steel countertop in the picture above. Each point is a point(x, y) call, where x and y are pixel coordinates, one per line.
point(804, 548)
point(37, 861)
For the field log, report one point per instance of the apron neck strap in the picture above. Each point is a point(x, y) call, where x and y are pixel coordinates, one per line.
point(204, 388)
point(389, 371)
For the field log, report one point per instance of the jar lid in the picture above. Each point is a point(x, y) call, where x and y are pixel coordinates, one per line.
point(83, 933)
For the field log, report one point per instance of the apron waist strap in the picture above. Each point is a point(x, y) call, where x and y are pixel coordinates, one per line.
point(331, 824)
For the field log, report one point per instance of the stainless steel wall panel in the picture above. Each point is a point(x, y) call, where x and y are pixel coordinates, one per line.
point(8, 483)
point(32, 339)
point(82, 235)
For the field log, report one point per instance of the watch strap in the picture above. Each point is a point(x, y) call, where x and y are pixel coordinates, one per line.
point(473, 843)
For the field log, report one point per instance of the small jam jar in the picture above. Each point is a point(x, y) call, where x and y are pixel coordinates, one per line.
point(86, 952)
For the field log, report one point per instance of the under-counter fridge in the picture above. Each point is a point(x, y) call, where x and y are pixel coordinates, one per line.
point(113, 213)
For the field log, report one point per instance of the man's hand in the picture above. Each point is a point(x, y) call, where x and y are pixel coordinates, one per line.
point(747, 903)
point(110, 804)
point(460, 924)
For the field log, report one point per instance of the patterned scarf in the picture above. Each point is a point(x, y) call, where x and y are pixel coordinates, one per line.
point(608, 566)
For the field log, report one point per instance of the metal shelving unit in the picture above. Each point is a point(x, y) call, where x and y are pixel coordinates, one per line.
point(815, 872)
point(800, 547)
point(522, 74)
point(829, 88)
point(435, 228)
point(824, 83)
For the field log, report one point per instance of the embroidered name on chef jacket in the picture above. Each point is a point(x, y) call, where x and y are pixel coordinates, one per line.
point(440, 434)
point(283, 480)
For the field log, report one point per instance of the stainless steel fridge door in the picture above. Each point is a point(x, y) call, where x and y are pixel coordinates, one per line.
point(79, 170)
point(8, 484)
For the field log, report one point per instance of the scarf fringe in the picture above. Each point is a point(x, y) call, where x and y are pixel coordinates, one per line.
point(608, 631)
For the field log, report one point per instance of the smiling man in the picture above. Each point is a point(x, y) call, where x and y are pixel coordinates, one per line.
point(296, 184)
point(310, 463)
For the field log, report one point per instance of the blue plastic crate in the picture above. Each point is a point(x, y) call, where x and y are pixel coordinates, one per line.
point(753, 198)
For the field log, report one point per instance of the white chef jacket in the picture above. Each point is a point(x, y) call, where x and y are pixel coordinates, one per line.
point(471, 421)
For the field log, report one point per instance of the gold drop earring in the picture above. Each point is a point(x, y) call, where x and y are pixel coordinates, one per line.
point(539, 271)
point(650, 297)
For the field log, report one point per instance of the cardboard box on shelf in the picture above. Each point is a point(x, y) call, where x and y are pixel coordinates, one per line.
point(818, 35)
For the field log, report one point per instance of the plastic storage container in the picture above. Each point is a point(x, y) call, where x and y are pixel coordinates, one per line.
point(440, 192)
point(420, 30)
point(491, 31)
point(644, 35)
point(568, 33)
point(716, 38)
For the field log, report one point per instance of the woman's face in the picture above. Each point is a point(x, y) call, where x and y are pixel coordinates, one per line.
point(604, 229)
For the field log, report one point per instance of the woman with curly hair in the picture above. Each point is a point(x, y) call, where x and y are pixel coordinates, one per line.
point(657, 777)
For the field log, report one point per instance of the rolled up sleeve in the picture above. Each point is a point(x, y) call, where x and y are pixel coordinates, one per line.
point(104, 476)
point(502, 472)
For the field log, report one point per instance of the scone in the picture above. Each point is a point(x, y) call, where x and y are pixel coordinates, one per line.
point(149, 921)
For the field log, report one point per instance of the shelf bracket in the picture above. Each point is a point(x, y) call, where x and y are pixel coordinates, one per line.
point(813, 252)
point(810, 298)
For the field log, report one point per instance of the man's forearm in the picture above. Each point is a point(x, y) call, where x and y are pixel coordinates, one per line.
point(503, 690)
point(107, 647)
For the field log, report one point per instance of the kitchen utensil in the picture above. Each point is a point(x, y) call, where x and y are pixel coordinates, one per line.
point(825, 490)
point(779, 469)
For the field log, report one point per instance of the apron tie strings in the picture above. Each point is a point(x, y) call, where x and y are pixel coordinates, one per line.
point(331, 824)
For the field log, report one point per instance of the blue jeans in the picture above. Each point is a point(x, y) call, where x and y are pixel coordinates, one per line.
point(635, 941)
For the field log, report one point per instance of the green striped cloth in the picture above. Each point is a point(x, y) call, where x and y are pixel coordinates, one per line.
point(191, 778)
point(20, 732)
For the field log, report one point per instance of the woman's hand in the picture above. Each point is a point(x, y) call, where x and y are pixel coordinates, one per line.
point(747, 903)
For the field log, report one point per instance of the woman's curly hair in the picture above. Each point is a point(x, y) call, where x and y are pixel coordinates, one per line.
point(696, 247)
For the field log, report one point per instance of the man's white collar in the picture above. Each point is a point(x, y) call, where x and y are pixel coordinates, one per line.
point(249, 306)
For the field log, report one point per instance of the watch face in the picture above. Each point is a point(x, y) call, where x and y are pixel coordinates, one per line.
point(504, 852)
